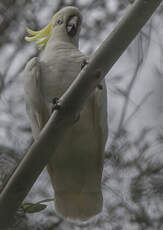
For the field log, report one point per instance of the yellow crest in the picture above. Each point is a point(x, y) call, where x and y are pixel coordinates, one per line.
point(42, 35)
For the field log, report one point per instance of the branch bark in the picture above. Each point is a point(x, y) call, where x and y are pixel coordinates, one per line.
point(71, 102)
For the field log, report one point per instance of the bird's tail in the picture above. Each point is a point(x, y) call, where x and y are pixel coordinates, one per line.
point(78, 206)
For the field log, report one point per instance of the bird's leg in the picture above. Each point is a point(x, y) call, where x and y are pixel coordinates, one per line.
point(84, 63)
point(55, 104)
point(77, 118)
point(99, 86)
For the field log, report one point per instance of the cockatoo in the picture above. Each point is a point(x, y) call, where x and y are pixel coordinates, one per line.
point(76, 167)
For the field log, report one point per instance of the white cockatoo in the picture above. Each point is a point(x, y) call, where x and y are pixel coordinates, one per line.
point(76, 167)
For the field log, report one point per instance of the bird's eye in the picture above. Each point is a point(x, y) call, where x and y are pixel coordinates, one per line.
point(59, 21)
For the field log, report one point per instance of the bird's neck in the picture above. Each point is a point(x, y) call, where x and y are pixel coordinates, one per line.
point(62, 36)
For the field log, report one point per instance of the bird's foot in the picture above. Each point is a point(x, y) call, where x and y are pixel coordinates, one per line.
point(55, 104)
point(84, 63)
point(77, 118)
point(99, 86)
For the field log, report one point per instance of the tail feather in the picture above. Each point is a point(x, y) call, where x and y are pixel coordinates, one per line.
point(79, 206)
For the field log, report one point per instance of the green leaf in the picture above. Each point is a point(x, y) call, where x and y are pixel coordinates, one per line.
point(32, 208)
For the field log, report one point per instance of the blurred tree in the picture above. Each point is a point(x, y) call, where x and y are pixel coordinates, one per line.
point(132, 181)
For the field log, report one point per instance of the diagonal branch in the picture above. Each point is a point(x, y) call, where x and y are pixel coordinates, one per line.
point(71, 102)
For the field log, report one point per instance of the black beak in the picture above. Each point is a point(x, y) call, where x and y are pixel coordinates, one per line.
point(72, 26)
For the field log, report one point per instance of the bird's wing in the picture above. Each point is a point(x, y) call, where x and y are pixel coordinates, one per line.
point(36, 106)
point(100, 113)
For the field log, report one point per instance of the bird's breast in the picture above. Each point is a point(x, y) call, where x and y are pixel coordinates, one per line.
point(59, 69)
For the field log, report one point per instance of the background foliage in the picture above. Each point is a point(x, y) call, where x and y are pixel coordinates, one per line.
point(132, 182)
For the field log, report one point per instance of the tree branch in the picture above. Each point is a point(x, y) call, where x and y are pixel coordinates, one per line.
point(71, 102)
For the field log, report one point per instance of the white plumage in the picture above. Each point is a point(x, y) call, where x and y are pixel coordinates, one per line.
point(76, 167)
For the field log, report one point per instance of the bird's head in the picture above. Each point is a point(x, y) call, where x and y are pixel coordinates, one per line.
point(65, 25)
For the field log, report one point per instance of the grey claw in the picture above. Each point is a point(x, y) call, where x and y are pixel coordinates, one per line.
point(77, 118)
point(84, 63)
point(55, 104)
point(99, 86)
